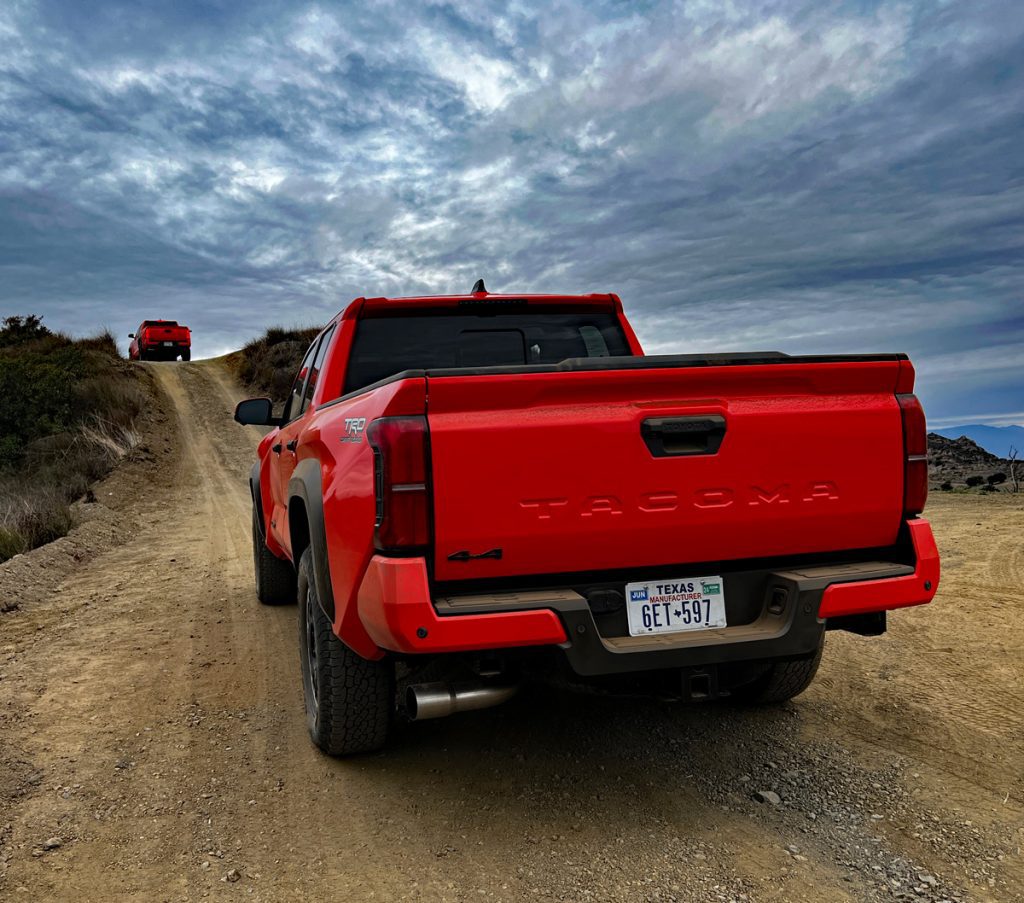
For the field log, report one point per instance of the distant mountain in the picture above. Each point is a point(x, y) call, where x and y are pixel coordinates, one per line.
point(994, 439)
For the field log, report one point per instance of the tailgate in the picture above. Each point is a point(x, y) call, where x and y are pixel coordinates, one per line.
point(640, 464)
point(176, 334)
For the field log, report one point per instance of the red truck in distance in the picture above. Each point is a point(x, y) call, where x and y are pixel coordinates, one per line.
point(466, 492)
point(160, 340)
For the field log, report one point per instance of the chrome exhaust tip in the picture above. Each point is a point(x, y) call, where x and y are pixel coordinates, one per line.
point(440, 699)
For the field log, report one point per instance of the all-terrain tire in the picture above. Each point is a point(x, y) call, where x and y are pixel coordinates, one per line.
point(186, 355)
point(781, 681)
point(350, 701)
point(275, 578)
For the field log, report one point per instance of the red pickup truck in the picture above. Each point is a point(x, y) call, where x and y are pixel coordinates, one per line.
point(465, 492)
point(160, 340)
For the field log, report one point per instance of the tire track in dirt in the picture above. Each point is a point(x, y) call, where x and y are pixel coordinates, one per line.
point(946, 685)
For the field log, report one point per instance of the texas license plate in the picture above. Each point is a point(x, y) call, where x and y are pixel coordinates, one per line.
point(169, 344)
point(670, 606)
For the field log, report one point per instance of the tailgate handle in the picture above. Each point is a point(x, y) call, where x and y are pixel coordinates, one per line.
point(675, 437)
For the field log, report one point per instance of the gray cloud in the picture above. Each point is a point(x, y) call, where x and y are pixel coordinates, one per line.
point(801, 176)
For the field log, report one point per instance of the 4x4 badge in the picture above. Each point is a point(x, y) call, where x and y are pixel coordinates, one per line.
point(466, 555)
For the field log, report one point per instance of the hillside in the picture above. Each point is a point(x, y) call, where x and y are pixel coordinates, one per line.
point(956, 460)
point(68, 417)
point(267, 365)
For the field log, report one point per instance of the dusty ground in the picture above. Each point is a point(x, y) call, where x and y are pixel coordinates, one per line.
point(151, 734)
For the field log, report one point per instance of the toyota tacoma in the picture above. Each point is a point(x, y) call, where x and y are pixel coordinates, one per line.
point(466, 492)
point(160, 340)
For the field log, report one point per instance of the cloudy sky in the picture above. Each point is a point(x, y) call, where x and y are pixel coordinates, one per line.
point(808, 177)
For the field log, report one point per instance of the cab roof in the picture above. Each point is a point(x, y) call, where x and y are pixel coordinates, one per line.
point(481, 300)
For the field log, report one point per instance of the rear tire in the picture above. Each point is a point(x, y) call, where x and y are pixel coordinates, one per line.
point(186, 355)
point(781, 681)
point(350, 701)
point(275, 578)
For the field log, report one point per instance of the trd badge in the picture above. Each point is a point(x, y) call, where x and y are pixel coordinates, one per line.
point(354, 427)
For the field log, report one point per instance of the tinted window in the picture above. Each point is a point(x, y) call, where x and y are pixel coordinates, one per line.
point(292, 407)
point(385, 346)
point(490, 347)
point(314, 373)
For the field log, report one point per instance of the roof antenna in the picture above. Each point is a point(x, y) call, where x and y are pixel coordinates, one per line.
point(479, 288)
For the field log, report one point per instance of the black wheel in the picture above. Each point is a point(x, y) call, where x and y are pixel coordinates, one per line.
point(186, 355)
point(781, 681)
point(350, 701)
point(275, 578)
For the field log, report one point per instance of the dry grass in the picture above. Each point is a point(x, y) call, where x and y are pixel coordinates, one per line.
point(35, 505)
point(107, 439)
point(31, 516)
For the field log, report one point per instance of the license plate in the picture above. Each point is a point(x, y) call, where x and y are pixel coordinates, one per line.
point(671, 606)
point(169, 344)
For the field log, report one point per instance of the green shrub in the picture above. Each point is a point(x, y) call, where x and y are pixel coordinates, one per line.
point(17, 330)
point(38, 391)
point(975, 480)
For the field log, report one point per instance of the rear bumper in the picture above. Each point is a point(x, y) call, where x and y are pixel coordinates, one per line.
point(794, 605)
point(918, 588)
point(398, 613)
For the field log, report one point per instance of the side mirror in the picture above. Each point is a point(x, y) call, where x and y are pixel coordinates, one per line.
point(255, 412)
point(131, 335)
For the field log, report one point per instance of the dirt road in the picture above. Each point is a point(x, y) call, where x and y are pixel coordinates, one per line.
point(153, 747)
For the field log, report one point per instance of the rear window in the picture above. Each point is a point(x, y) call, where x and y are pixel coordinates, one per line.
point(385, 346)
point(159, 323)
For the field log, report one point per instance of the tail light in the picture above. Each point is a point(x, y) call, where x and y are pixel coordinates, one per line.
point(400, 469)
point(915, 455)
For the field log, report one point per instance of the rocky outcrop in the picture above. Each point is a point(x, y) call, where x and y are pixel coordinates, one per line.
point(956, 460)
